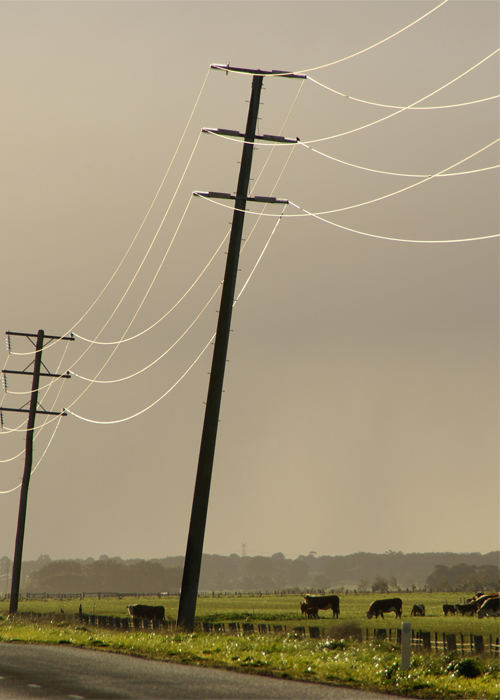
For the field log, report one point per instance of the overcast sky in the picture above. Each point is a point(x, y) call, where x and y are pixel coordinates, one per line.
point(361, 398)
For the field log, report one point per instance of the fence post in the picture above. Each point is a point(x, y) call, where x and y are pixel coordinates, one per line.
point(405, 644)
point(451, 642)
point(426, 640)
point(478, 644)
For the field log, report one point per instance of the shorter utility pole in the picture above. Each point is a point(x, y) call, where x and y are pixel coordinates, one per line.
point(28, 461)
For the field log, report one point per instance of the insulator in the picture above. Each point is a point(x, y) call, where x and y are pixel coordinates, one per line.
point(1, 418)
point(7, 341)
point(4, 382)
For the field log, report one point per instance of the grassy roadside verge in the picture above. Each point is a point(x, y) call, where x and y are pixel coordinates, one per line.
point(346, 662)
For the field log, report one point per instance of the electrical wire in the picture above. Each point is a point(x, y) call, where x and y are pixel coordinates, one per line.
point(147, 213)
point(39, 461)
point(382, 119)
point(386, 106)
point(387, 172)
point(130, 376)
point(371, 201)
point(133, 337)
point(138, 270)
point(409, 187)
point(114, 350)
point(211, 259)
point(387, 238)
point(404, 109)
point(135, 415)
point(358, 53)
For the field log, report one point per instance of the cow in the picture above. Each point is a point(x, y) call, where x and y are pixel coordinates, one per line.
point(475, 597)
point(491, 606)
point(149, 612)
point(466, 609)
point(379, 607)
point(310, 612)
point(449, 609)
point(322, 602)
point(482, 599)
point(418, 610)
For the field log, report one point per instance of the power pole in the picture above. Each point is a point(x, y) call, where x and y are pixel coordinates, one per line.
point(194, 549)
point(28, 461)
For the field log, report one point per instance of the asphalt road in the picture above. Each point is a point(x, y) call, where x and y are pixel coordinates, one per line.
point(36, 671)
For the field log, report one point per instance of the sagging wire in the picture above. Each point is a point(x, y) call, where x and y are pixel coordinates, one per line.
point(412, 186)
point(114, 350)
point(388, 116)
point(135, 415)
point(151, 364)
point(133, 337)
point(358, 53)
point(58, 418)
point(404, 109)
point(135, 276)
point(388, 238)
point(387, 172)
point(379, 104)
point(147, 213)
point(360, 204)
point(125, 340)
point(113, 381)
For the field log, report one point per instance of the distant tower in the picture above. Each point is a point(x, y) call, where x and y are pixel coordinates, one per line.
point(243, 550)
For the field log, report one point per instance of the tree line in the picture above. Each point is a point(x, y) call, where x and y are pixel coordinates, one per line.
point(364, 572)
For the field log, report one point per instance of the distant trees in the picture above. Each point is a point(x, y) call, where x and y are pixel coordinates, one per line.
point(69, 576)
point(380, 573)
point(380, 585)
point(464, 577)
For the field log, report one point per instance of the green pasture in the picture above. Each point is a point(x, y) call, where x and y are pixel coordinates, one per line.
point(339, 656)
point(284, 610)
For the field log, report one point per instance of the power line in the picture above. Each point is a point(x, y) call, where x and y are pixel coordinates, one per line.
point(409, 187)
point(353, 55)
point(386, 106)
point(147, 213)
point(404, 109)
point(386, 172)
point(399, 110)
point(135, 415)
point(388, 238)
point(360, 204)
point(41, 458)
point(151, 364)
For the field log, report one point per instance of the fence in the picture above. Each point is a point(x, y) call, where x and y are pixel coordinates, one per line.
point(442, 641)
point(422, 641)
point(81, 596)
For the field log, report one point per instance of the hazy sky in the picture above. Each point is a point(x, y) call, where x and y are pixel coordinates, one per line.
point(361, 398)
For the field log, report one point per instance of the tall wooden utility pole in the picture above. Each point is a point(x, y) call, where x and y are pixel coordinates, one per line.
point(194, 550)
point(28, 461)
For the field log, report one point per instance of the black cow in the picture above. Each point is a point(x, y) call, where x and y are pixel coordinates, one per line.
point(418, 610)
point(449, 609)
point(322, 602)
point(310, 612)
point(466, 609)
point(149, 612)
point(491, 606)
point(379, 607)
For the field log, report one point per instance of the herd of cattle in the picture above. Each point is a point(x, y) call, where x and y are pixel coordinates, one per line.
point(480, 604)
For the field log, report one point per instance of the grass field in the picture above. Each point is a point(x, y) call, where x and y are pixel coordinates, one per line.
point(284, 610)
point(336, 657)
